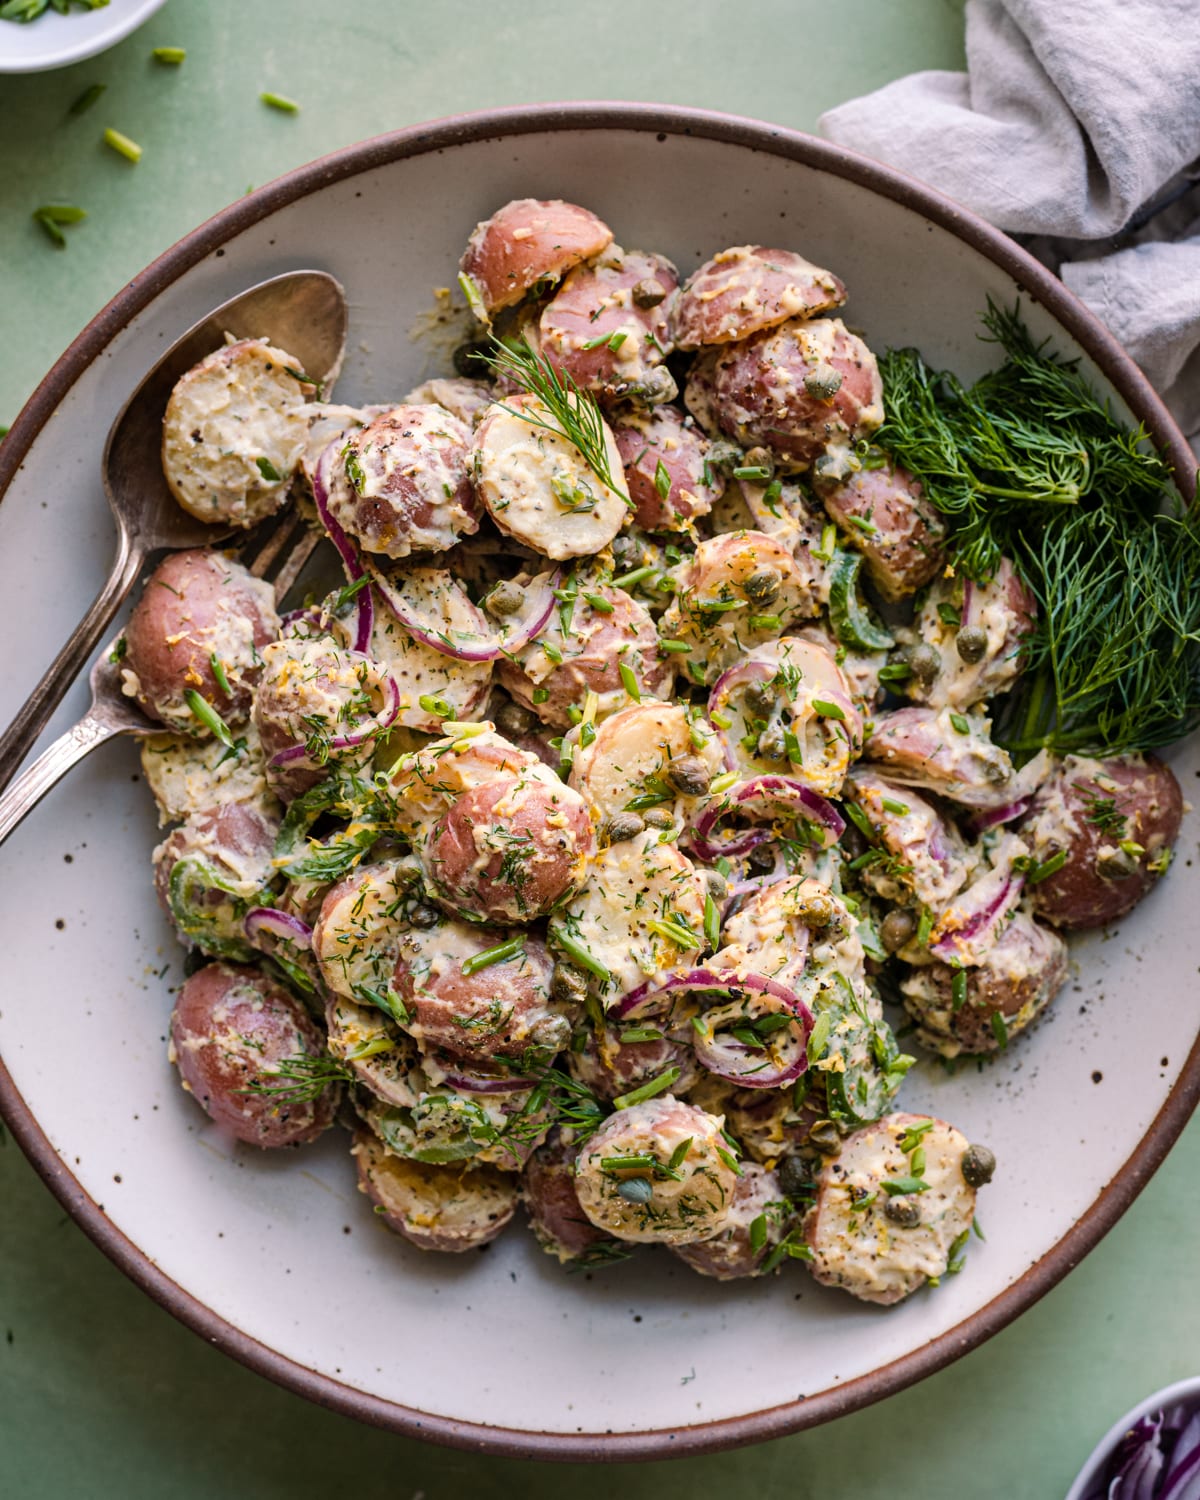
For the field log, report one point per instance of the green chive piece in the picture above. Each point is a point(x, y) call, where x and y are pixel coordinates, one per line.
point(765, 622)
point(171, 55)
point(437, 706)
point(999, 1028)
point(576, 951)
point(279, 101)
point(712, 923)
point(268, 470)
point(87, 99)
point(1048, 867)
point(680, 648)
point(678, 934)
point(924, 927)
point(869, 528)
point(897, 809)
point(828, 710)
point(756, 473)
point(627, 580)
point(961, 723)
point(540, 694)
point(662, 481)
point(633, 1163)
point(639, 1034)
point(819, 1035)
point(917, 1162)
point(51, 216)
point(860, 820)
point(730, 1160)
point(501, 953)
point(656, 1086)
point(218, 671)
point(122, 145)
point(629, 682)
point(758, 1233)
point(208, 716)
point(958, 989)
point(679, 1154)
point(899, 1187)
point(600, 604)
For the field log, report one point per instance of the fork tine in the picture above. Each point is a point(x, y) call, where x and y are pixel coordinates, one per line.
point(303, 549)
point(287, 540)
point(267, 548)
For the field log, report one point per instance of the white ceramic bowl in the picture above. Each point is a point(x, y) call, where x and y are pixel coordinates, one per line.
point(1171, 1395)
point(56, 41)
point(277, 1258)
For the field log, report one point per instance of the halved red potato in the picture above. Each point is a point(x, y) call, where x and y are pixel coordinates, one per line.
point(213, 869)
point(880, 1246)
point(426, 781)
point(667, 472)
point(924, 857)
point(648, 756)
point(528, 241)
point(234, 432)
point(559, 1225)
point(231, 1030)
point(1017, 978)
point(449, 1208)
point(324, 422)
point(768, 1124)
point(748, 288)
point(970, 639)
point(641, 1203)
point(798, 389)
point(538, 487)
point(740, 590)
point(606, 326)
point(383, 1058)
point(509, 850)
point(1117, 821)
point(782, 510)
point(187, 775)
point(198, 625)
point(617, 1059)
point(356, 938)
point(758, 1219)
point(607, 629)
point(944, 752)
point(883, 512)
point(402, 483)
point(502, 1010)
point(700, 394)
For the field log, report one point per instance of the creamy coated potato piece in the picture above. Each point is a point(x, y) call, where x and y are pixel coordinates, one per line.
point(369, 1043)
point(450, 1208)
point(527, 242)
point(655, 1173)
point(187, 775)
point(649, 756)
point(969, 639)
point(234, 433)
point(463, 398)
point(758, 1218)
point(944, 752)
point(356, 939)
point(559, 1225)
point(667, 469)
point(633, 887)
point(538, 487)
point(212, 869)
point(748, 288)
point(923, 856)
point(885, 516)
point(880, 1246)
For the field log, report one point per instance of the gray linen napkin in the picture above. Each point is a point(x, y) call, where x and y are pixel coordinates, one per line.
point(1073, 129)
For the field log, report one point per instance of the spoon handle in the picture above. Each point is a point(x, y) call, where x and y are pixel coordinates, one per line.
point(50, 767)
point(20, 735)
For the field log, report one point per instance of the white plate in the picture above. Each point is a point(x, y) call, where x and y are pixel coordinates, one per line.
point(277, 1258)
point(56, 41)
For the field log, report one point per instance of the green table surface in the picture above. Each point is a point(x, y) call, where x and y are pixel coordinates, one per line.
point(102, 1393)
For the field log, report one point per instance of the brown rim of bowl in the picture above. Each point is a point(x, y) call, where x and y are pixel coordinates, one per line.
point(1125, 377)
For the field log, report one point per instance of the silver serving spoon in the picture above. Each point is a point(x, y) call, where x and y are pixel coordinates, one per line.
point(303, 312)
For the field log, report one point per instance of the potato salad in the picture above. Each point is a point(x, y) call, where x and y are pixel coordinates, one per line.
point(596, 848)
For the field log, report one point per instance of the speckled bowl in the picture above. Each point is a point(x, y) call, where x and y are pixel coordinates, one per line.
point(278, 1259)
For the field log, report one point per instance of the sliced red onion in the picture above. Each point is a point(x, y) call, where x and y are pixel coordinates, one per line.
point(982, 907)
point(743, 673)
point(652, 991)
point(520, 629)
point(996, 817)
point(487, 648)
point(735, 1061)
point(467, 1083)
point(311, 614)
point(321, 485)
point(773, 793)
point(290, 756)
point(280, 924)
point(384, 719)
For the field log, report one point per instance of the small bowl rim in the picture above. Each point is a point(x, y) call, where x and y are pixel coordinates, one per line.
point(1126, 378)
point(121, 26)
point(1169, 1395)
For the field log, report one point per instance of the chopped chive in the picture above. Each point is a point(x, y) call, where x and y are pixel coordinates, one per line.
point(540, 695)
point(860, 820)
point(899, 1187)
point(819, 1035)
point(600, 604)
point(51, 216)
point(679, 1153)
point(630, 682)
point(765, 622)
point(722, 721)
point(730, 1160)
point(279, 101)
point(917, 1161)
point(978, 1228)
point(552, 651)
point(712, 923)
point(436, 706)
point(758, 1233)
point(1048, 867)
point(657, 1085)
point(868, 528)
point(895, 671)
point(999, 1028)
point(662, 481)
point(633, 1163)
point(627, 579)
point(961, 723)
point(268, 470)
point(501, 953)
point(828, 710)
point(681, 936)
point(633, 1034)
point(757, 473)
point(924, 927)
point(948, 615)
point(576, 951)
point(828, 543)
point(87, 99)
point(218, 671)
point(208, 716)
point(958, 989)
point(587, 733)
point(680, 648)
point(172, 55)
point(699, 1027)
point(122, 145)
point(898, 809)
point(719, 606)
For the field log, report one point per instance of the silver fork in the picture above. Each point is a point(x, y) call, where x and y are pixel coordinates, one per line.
point(290, 538)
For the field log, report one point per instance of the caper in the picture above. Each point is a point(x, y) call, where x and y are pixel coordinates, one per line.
point(762, 859)
point(636, 1190)
point(763, 585)
point(424, 916)
point(760, 699)
point(817, 909)
point(622, 826)
point(978, 1166)
point(514, 720)
point(760, 458)
point(925, 660)
point(567, 985)
point(826, 1137)
point(823, 383)
point(1116, 864)
point(689, 775)
point(504, 600)
point(723, 455)
point(771, 743)
point(718, 886)
point(897, 928)
point(648, 292)
point(469, 360)
point(904, 1210)
point(658, 817)
point(795, 1179)
point(971, 642)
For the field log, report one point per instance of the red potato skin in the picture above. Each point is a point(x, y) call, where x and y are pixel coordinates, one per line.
point(185, 596)
point(590, 306)
point(241, 828)
point(548, 1189)
point(744, 290)
point(1148, 796)
point(758, 386)
point(529, 240)
point(729, 1256)
point(520, 987)
point(664, 436)
point(905, 550)
point(548, 830)
point(372, 1161)
point(229, 1025)
point(620, 1067)
point(591, 660)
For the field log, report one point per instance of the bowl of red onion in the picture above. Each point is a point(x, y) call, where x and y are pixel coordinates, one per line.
point(1152, 1453)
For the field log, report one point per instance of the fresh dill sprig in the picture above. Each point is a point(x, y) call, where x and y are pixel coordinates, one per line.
point(302, 1079)
point(574, 413)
